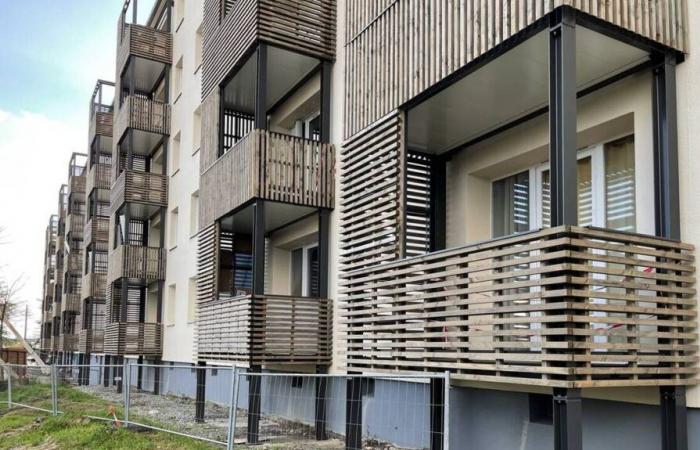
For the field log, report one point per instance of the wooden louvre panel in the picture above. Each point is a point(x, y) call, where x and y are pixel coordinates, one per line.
point(134, 186)
point(144, 114)
point(561, 307)
point(396, 49)
point(137, 262)
point(133, 338)
point(143, 42)
point(98, 177)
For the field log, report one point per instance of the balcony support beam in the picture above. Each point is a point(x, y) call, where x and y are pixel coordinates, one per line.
point(254, 391)
point(353, 413)
point(437, 414)
point(438, 203)
point(674, 420)
point(261, 89)
point(666, 185)
point(156, 376)
point(562, 117)
point(324, 226)
point(321, 404)
point(259, 247)
point(200, 392)
point(105, 371)
point(567, 408)
point(326, 73)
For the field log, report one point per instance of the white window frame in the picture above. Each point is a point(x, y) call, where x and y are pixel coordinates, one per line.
point(305, 288)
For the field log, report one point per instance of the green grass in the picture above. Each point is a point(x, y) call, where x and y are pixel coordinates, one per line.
point(25, 428)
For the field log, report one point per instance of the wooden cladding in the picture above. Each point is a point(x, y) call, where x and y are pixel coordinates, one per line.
point(96, 232)
point(396, 49)
point(304, 26)
point(265, 330)
point(75, 262)
point(75, 224)
point(136, 262)
point(76, 184)
point(371, 196)
point(143, 42)
point(271, 166)
point(71, 302)
point(133, 186)
point(98, 177)
point(94, 286)
point(133, 338)
point(143, 114)
point(67, 343)
point(566, 307)
point(100, 124)
point(91, 341)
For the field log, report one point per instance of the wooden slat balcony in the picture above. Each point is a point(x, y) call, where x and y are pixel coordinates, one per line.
point(68, 343)
point(75, 262)
point(265, 330)
point(142, 41)
point(100, 123)
point(76, 184)
point(145, 188)
point(70, 302)
point(307, 27)
point(133, 338)
point(75, 224)
point(135, 262)
point(99, 176)
point(94, 285)
point(142, 114)
point(96, 231)
point(560, 307)
point(91, 341)
point(270, 166)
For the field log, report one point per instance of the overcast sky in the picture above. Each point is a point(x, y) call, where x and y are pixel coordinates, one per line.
point(51, 54)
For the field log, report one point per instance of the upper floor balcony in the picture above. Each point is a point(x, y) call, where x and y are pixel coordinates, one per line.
point(149, 119)
point(148, 44)
point(133, 338)
point(271, 166)
point(98, 177)
point(91, 341)
point(101, 110)
point(146, 264)
point(96, 231)
point(143, 188)
point(94, 286)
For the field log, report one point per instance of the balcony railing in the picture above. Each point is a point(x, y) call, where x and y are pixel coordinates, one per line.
point(68, 343)
point(271, 166)
point(75, 224)
point(143, 114)
point(307, 27)
point(94, 285)
point(98, 177)
point(75, 262)
point(136, 262)
point(100, 123)
point(133, 338)
point(96, 231)
point(91, 341)
point(562, 307)
point(76, 184)
point(140, 187)
point(70, 302)
point(265, 330)
point(143, 42)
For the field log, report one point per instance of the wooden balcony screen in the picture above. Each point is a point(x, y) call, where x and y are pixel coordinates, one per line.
point(76, 184)
point(98, 177)
point(67, 343)
point(140, 113)
point(75, 262)
point(265, 330)
point(70, 302)
point(133, 338)
point(96, 232)
point(304, 26)
point(91, 341)
point(100, 124)
point(562, 307)
point(271, 166)
point(396, 49)
point(146, 188)
point(142, 42)
point(94, 286)
point(75, 224)
point(133, 261)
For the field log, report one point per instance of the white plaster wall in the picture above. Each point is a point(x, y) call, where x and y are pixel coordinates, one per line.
point(182, 257)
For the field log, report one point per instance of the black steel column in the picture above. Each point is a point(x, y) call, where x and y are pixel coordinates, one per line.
point(666, 187)
point(562, 118)
point(80, 369)
point(261, 89)
point(438, 203)
point(139, 373)
point(353, 413)
point(321, 400)
point(156, 377)
point(120, 372)
point(254, 390)
point(567, 411)
point(437, 413)
point(259, 247)
point(324, 227)
point(326, 67)
point(201, 391)
point(674, 420)
point(105, 371)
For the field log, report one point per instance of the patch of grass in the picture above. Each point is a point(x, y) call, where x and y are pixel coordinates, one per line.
point(24, 428)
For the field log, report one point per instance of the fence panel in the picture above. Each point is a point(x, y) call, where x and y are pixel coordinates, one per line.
point(94, 391)
point(27, 387)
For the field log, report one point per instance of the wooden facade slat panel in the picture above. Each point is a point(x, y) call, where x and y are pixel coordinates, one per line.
point(100, 124)
point(142, 114)
point(146, 188)
point(98, 177)
point(131, 338)
point(137, 262)
point(434, 39)
point(567, 306)
point(143, 42)
point(96, 232)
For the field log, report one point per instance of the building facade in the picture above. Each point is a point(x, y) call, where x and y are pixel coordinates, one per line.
point(503, 190)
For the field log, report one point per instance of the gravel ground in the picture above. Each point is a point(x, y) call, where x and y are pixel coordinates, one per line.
point(177, 414)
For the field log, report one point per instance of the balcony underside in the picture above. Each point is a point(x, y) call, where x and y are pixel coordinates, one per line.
point(265, 330)
point(133, 338)
point(561, 307)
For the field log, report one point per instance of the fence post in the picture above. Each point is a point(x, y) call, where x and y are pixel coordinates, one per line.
point(54, 391)
point(9, 387)
point(126, 381)
point(233, 409)
point(446, 435)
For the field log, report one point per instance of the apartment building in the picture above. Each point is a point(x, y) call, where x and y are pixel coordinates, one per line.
point(503, 190)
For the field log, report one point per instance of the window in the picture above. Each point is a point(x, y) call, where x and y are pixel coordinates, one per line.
point(198, 49)
point(170, 306)
point(196, 129)
point(511, 205)
point(305, 272)
point(235, 264)
point(172, 242)
point(194, 213)
point(177, 79)
point(175, 155)
point(191, 298)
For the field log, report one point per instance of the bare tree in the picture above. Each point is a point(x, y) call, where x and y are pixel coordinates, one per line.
point(8, 293)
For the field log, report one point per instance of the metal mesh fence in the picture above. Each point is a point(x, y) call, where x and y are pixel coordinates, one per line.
point(272, 410)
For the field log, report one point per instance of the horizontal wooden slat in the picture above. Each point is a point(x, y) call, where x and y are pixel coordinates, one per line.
point(133, 261)
point(133, 338)
point(143, 114)
point(133, 186)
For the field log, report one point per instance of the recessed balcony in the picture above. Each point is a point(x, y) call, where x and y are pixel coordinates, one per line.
point(267, 329)
point(133, 338)
point(146, 264)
